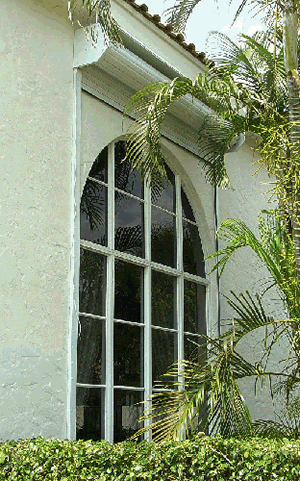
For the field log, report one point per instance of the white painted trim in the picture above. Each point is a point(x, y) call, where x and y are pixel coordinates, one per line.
point(75, 256)
point(92, 316)
point(139, 261)
point(87, 52)
point(110, 294)
point(147, 306)
point(180, 280)
point(158, 44)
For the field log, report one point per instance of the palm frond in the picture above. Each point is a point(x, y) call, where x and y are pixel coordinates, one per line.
point(275, 249)
point(237, 234)
point(99, 12)
point(150, 107)
point(288, 424)
point(194, 396)
point(178, 15)
point(251, 315)
point(224, 51)
point(270, 428)
point(239, 10)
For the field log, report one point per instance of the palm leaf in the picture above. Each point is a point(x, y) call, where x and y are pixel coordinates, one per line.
point(99, 12)
point(275, 249)
point(150, 107)
point(203, 394)
point(178, 15)
point(288, 424)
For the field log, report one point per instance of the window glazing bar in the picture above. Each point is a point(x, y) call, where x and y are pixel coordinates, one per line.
point(147, 304)
point(109, 398)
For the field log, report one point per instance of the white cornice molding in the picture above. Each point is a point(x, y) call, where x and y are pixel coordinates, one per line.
point(131, 70)
point(114, 74)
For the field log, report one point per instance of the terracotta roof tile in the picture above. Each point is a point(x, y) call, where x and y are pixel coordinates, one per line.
point(178, 37)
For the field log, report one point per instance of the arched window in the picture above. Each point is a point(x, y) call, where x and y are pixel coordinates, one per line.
point(142, 292)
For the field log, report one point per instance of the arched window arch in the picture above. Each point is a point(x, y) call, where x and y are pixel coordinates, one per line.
point(142, 292)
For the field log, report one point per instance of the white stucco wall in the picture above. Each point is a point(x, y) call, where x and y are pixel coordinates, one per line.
point(36, 49)
point(245, 270)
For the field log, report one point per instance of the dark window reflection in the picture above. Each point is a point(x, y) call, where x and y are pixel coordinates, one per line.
point(128, 291)
point(194, 307)
point(93, 213)
point(129, 225)
point(164, 352)
point(163, 194)
point(90, 413)
point(163, 300)
point(187, 211)
point(99, 168)
point(193, 258)
point(128, 355)
point(91, 351)
point(92, 283)
point(126, 414)
point(163, 237)
point(125, 178)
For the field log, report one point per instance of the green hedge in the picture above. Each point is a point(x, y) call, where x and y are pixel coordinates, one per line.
point(203, 459)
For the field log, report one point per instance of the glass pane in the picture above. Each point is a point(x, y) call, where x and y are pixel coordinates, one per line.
point(99, 168)
point(90, 413)
point(128, 355)
point(91, 351)
point(128, 291)
point(126, 414)
point(163, 238)
point(193, 258)
point(93, 213)
point(129, 225)
point(194, 307)
point(186, 208)
point(164, 194)
point(92, 282)
point(125, 178)
point(164, 352)
point(163, 300)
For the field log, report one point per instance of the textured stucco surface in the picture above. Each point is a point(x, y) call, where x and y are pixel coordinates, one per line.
point(245, 271)
point(36, 126)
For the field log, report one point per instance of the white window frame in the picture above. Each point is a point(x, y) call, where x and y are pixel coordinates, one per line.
point(111, 254)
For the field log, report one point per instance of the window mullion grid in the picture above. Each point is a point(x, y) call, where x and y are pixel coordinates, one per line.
point(180, 279)
point(109, 393)
point(147, 302)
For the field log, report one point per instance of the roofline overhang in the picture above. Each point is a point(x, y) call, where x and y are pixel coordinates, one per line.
point(130, 69)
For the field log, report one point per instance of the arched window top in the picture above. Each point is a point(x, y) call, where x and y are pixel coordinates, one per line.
point(142, 298)
point(165, 211)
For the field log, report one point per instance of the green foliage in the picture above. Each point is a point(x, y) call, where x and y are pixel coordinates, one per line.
point(203, 459)
point(150, 105)
point(247, 92)
point(194, 395)
point(274, 248)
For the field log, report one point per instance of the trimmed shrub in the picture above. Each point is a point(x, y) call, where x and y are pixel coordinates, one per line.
point(203, 459)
